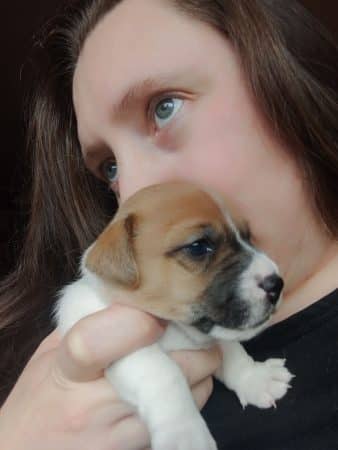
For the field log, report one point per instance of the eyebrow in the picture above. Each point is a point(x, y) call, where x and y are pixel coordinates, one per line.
point(143, 88)
point(133, 95)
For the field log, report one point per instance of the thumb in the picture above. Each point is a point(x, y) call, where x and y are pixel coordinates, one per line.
point(100, 339)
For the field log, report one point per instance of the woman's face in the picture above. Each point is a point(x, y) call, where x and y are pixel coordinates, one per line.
point(163, 95)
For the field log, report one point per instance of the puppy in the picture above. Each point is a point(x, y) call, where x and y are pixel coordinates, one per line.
point(174, 250)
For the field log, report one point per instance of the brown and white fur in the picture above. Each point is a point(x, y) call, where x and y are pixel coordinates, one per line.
point(175, 251)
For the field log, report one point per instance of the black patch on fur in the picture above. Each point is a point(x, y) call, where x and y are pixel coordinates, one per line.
point(220, 303)
point(204, 325)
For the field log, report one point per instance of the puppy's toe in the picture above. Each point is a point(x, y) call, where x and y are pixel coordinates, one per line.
point(263, 383)
point(281, 374)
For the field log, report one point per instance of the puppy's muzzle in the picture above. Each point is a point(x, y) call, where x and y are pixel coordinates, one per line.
point(241, 296)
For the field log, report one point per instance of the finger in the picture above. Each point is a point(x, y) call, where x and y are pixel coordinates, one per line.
point(202, 391)
point(51, 342)
point(130, 434)
point(198, 364)
point(102, 338)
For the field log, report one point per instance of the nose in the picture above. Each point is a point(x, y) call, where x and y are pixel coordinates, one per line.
point(137, 171)
point(272, 285)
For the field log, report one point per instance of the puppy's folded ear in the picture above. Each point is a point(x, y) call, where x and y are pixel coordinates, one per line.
point(112, 257)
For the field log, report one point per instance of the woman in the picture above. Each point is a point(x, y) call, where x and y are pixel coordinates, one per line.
point(240, 95)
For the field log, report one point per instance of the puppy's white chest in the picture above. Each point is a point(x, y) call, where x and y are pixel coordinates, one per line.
point(181, 337)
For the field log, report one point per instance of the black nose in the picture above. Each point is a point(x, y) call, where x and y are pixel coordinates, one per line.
point(272, 285)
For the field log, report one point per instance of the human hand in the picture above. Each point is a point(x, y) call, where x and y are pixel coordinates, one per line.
point(62, 399)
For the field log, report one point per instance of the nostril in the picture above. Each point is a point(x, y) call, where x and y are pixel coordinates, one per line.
point(272, 285)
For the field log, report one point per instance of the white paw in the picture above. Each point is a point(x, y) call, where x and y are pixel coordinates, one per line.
point(263, 383)
point(185, 435)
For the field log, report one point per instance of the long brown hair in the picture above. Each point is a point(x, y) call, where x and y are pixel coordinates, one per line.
point(291, 64)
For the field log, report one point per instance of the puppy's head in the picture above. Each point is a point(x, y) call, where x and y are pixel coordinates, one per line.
point(177, 253)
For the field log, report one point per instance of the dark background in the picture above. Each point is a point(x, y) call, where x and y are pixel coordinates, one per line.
point(19, 20)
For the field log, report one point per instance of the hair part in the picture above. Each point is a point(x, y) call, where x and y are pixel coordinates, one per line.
point(291, 66)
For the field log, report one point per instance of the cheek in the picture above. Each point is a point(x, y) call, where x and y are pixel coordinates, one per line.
point(221, 146)
point(229, 150)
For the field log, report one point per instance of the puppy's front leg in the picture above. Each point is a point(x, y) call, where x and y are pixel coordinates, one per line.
point(153, 382)
point(255, 383)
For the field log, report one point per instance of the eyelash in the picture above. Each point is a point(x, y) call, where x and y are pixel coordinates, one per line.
point(154, 101)
point(150, 108)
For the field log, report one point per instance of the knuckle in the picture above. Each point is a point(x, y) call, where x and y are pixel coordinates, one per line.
point(77, 346)
point(149, 328)
point(184, 361)
point(197, 365)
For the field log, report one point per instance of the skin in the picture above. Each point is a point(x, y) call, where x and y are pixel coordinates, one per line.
point(218, 138)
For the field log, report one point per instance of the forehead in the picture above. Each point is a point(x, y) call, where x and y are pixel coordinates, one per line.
point(134, 35)
point(138, 40)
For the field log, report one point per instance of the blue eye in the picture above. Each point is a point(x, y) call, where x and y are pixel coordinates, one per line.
point(199, 249)
point(166, 109)
point(109, 170)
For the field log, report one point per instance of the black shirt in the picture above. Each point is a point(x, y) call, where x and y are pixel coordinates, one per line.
point(307, 417)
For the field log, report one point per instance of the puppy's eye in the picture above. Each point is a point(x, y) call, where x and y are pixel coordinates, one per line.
point(199, 249)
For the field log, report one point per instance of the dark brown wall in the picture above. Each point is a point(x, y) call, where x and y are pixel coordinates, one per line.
point(19, 20)
point(326, 10)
